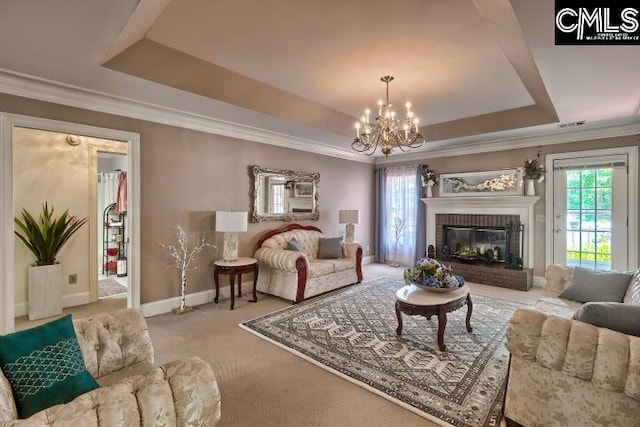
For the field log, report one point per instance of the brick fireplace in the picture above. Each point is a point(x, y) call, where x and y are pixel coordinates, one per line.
point(491, 214)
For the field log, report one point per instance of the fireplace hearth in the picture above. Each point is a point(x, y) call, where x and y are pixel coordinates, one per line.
point(489, 212)
point(483, 248)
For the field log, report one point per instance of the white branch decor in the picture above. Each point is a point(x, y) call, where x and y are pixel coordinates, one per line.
point(398, 232)
point(184, 260)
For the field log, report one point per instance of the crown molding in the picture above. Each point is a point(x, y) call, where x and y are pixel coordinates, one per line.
point(630, 126)
point(26, 86)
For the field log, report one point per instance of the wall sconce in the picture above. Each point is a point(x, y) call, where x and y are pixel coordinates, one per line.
point(349, 217)
point(231, 223)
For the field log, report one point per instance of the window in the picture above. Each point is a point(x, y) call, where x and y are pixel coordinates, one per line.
point(589, 209)
point(276, 197)
point(401, 198)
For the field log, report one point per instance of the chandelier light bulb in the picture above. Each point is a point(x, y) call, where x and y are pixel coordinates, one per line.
point(387, 131)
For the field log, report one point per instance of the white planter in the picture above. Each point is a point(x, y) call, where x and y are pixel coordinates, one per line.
point(531, 187)
point(45, 291)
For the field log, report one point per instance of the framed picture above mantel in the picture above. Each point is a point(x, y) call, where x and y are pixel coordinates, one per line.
point(503, 182)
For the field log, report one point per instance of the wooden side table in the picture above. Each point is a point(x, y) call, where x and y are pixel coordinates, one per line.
point(233, 268)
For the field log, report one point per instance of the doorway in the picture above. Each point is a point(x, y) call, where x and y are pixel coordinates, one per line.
point(594, 209)
point(84, 290)
point(112, 225)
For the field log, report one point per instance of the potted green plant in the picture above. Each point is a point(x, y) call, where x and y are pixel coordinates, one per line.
point(45, 237)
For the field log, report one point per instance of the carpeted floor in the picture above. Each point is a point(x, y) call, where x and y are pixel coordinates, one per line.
point(263, 385)
point(109, 287)
point(351, 332)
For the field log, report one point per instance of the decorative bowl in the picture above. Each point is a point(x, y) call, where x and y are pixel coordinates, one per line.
point(435, 289)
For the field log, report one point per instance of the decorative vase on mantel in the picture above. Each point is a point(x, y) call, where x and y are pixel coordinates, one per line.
point(531, 187)
point(429, 192)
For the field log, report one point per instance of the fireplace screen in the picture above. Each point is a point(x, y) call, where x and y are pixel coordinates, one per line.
point(484, 244)
point(476, 243)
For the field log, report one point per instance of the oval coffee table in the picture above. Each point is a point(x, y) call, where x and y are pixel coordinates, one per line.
point(414, 301)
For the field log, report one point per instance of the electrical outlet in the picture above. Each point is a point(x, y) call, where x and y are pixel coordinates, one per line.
point(540, 218)
point(367, 248)
point(73, 279)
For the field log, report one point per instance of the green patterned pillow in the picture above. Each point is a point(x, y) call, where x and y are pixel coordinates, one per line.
point(44, 366)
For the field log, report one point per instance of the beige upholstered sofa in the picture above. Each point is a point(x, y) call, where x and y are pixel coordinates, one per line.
point(118, 353)
point(565, 372)
point(299, 275)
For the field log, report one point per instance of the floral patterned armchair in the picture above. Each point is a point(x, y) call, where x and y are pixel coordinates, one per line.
point(118, 353)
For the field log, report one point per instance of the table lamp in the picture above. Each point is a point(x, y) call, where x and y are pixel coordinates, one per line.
point(231, 223)
point(349, 217)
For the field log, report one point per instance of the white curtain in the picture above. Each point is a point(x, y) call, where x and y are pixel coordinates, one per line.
point(400, 214)
point(107, 194)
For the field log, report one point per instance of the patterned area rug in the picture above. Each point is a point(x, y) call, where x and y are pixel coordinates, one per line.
point(351, 332)
point(109, 287)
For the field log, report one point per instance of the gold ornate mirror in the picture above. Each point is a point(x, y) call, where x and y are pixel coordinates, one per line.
point(284, 195)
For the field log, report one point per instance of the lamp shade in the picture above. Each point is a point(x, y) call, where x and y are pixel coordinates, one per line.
point(348, 216)
point(231, 222)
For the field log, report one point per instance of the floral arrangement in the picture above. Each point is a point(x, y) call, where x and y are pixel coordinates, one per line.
point(534, 170)
point(429, 178)
point(431, 273)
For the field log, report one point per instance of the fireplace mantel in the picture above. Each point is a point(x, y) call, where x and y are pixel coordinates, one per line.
point(488, 205)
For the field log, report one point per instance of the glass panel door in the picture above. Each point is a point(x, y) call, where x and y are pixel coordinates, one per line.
point(589, 218)
point(590, 215)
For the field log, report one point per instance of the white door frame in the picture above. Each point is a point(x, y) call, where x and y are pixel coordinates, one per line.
point(8, 122)
point(632, 199)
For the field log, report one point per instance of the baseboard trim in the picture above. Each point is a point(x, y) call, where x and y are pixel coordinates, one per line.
point(156, 308)
point(539, 281)
point(70, 300)
point(367, 259)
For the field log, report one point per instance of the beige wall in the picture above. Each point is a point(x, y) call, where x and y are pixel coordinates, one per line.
point(187, 175)
point(515, 158)
point(48, 169)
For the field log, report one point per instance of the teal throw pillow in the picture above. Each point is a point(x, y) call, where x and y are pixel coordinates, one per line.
point(294, 245)
point(597, 286)
point(330, 248)
point(616, 316)
point(44, 366)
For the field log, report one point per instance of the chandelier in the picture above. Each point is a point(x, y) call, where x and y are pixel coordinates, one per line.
point(387, 131)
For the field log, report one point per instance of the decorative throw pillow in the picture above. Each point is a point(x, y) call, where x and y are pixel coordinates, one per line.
point(616, 316)
point(294, 245)
point(597, 286)
point(633, 291)
point(44, 366)
point(330, 248)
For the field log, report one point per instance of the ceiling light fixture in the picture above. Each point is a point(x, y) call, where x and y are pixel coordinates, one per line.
point(387, 131)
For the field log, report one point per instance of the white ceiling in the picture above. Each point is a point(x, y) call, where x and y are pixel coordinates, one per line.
point(474, 71)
